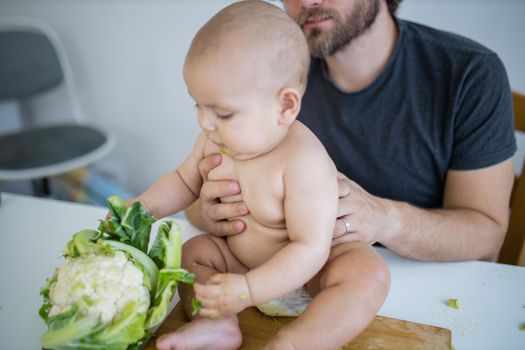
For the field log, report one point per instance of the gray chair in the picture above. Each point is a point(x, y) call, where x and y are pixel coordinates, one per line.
point(513, 249)
point(33, 65)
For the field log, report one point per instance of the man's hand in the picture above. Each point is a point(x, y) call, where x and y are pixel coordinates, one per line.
point(212, 213)
point(362, 216)
point(471, 224)
point(223, 295)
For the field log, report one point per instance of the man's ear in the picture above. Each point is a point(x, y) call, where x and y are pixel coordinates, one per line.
point(290, 100)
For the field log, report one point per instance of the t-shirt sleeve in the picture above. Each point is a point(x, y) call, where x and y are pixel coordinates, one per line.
point(484, 121)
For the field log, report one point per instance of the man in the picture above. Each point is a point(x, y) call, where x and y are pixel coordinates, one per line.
point(420, 123)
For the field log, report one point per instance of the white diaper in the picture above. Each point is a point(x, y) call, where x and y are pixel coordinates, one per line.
point(291, 304)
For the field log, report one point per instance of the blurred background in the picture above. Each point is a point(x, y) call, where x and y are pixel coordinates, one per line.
point(126, 57)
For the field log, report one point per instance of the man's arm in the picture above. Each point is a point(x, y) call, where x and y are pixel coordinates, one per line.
point(471, 225)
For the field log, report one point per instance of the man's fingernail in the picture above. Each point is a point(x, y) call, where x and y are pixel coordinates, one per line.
point(238, 226)
point(234, 187)
point(242, 208)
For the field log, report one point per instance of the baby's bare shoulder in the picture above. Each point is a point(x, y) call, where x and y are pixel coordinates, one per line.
point(305, 158)
point(303, 143)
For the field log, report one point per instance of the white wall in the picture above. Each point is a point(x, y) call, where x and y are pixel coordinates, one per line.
point(127, 57)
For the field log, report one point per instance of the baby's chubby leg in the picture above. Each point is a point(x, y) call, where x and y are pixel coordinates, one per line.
point(205, 255)
point(348, 292)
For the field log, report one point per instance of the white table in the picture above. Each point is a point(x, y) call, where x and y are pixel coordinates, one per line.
point(34, 231)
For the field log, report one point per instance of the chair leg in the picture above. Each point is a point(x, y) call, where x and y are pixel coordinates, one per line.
point(41, 187)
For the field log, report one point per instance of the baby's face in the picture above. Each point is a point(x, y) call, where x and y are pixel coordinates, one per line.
point(237, 105)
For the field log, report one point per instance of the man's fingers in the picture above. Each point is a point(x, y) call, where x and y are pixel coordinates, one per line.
point(344, 188)
point(347, 205)
point(209, 163)
point(214, 212)
point(221, 211)
point(211, 190)
point(350, 237)
point(339, 229)
point(227, 228)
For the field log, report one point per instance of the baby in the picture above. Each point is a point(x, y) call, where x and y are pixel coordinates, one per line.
point(246, 69)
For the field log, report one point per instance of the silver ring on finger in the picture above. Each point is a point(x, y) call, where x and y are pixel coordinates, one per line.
point(348, 225)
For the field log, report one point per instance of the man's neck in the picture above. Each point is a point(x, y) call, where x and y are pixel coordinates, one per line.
point(357, 65)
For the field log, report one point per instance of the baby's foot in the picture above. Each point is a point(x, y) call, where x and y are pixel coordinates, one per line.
point(279, 342)
point(203, 333)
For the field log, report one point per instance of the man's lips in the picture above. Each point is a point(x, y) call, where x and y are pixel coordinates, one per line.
point(315, 22)
point(313, 19)
point(316, 17)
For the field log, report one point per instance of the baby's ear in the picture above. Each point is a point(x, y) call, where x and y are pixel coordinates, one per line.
point(290, 99)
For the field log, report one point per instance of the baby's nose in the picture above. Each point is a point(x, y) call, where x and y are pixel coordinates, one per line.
point(209, 126)
point(206, 123)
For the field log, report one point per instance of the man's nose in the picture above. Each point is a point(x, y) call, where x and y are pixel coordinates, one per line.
point(311, 3)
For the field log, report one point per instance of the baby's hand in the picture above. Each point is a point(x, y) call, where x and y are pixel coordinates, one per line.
point(223, 295)
point(105, 225)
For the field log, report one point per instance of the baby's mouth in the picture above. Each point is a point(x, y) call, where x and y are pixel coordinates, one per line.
point(222, 147)
point(218, 144)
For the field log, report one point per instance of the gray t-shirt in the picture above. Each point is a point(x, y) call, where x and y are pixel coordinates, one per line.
point(442, 102)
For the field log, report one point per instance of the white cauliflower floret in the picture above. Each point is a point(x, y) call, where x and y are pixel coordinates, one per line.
point(108, 282)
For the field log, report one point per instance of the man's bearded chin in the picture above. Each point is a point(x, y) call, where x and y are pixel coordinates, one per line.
point(324, 43)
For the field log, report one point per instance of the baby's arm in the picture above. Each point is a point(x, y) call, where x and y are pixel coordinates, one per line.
point(177, 189)
point(310, 208)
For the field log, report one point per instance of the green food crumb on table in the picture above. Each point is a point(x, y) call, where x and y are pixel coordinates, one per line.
point(453, 303)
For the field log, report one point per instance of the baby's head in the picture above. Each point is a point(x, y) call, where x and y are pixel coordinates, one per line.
point(246, 69)
point(258, 35)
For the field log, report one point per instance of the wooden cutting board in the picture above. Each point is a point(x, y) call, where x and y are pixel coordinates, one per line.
point(382, 333)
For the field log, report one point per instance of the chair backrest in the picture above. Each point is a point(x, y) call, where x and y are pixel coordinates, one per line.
point(44, 40)
point(513, 250)
point(65, 141)
point(29, 64)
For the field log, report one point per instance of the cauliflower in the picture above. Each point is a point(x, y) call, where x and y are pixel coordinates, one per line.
point(109, 292)
point(108, 283)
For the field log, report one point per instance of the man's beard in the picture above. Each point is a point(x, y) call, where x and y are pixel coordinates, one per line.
point(326, 43)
